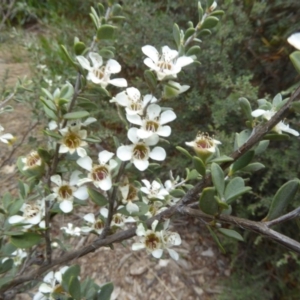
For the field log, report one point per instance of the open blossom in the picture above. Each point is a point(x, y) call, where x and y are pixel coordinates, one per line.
point(65, 191)
point(129, 195)
point(31, 161)
point(132, 101)
point(167, 64)
point(99, 73)
point(32, 214)
point(17, 257)
point(294, 40)
point(73, 140)
point(153, 190)
point(71, 230)
point(280, 127)
point(156, 241)
point(94, 224)
point(139, 152)
point(204, 145)
point(100, 174)
point(6, 138)
point(154, 122)
point(51, 285)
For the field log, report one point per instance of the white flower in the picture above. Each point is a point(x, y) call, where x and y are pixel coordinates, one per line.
point(168, 64)
point(154, 190)
point(99, 73)
point(31, 161)
point(154, 122)
point(71, 230)
point(156, 241)
point(66, 191)
point(155, 207)
point(32, 214)
point(98, 174)
point(73, 140)
point(6, 138)
point(17, 257)
point(51, 285)
point(119, 220)
point(204, 144)
point(280, 127)
point(131, 100)
point(150, 239)
point(139, 152)
point(93, 224)
point(294, 40)
point(129, 195)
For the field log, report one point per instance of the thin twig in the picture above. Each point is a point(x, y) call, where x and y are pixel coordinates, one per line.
point(7, 99)
point(289, 216)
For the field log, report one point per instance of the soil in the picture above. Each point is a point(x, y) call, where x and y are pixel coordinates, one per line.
point(136, 275)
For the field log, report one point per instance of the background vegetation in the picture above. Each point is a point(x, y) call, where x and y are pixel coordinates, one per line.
point(246, 56)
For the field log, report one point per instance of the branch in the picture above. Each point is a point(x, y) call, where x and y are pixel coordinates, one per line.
point(289, 216)
point(258, 227)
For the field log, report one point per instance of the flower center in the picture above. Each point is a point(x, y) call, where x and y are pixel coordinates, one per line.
point(135, 106)
point(65, 192)
point(132, 193)
point(152, 241)
point(117, 219)
point(58, 289)
point(164, 65)
point(33, 159)
point(99, 173)
point(152, 125)
point(99, 73)
point(31, 211)
point(99, 224)
point(72, 140)
point(140, 151)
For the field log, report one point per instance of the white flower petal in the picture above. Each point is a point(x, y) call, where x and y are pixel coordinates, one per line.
point(131, 207)
point(96, 59)
point(56, 179)
point(84, 62)
point(158, 153)
point(134, 119)
point(66, 206)
point(137, 246)
point(141, 165)
point(153, 111)
point(85, 163)
point(104, 212)
point(124, 153)
point(258, 112)
point(183, 61)
point(157, 253)
point(119, 82)
point(173, 254)
point(167, 116)
point(15, 219)
point(90, 218)
point(151, 52)
point(105, 184)
point(140, 230)
point(81, 152)
point(164, 131)
point(132, 135)
point(294, 40)
point(81, 193)
point(104, 156)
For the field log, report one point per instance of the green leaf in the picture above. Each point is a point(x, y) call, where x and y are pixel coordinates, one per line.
point(276, 137)
point(27, 240)
point(218, 178)
point(194, 50)
point(97, 197)
point(15, 207)
point(193, 174)
point(241, 162)
point(183, 151)
point(217, 13)
point(76, 115)
point(47, 93)
point(176, 34)
point(50, 113)
point(106, 291)
point(283, 197)
point(295, 58)
point(106, 32)
point(261, 147)
point(106, 53)
point(189, 32)
point(246, 108)
point(234, 189)
point(208, 204)
point(231, 233)
point(150, 80)
point(79, 48)
point(177, 193)
point(52, 134)
point(71, 272)
point(68, 56)
point(204, 32)
point(210, 22)
point(6, 265)
point(253, 167)
point(44, 155)
point(200, 11)
point(221, 159)
point(277, 100)
point(199, 165)
point(74, 288)
point(216, 239)
point(241, 138)
point(5, 280)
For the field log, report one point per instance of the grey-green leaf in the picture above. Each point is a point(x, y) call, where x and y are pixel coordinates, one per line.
point(218, 178)
point(231, 233)
point(208, 204)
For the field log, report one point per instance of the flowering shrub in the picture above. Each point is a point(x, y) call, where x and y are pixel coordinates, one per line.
point(212, 183)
